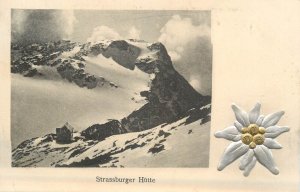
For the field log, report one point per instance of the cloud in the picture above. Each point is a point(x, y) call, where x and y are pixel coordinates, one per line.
point(190, 48)
point(68, 19)
point(178, 32)
point(174, 55)
point(194, 81)
point(134, 33)
point(103, 32)
point(37, 26)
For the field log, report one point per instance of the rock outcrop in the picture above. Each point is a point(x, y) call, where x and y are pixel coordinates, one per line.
point(77, 75)
point(101, 131)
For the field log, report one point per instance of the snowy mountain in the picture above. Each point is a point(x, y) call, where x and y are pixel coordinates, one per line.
point(178, 144)
point(130, 103)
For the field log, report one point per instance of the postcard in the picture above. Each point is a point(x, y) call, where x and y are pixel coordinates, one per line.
point(151, 96)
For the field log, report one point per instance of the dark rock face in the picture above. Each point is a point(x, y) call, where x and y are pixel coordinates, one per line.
point(78, 76)
point(120, 51)
point(23, 58)
point(198, 113)
point(30, 73)
point(156, 148)
point(162, 63)
point(20, 66)
point(101, 131)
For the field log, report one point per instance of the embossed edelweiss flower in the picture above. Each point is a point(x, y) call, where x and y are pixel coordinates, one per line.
point(253, 137)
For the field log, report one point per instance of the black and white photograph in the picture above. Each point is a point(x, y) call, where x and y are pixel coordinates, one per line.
point(110, 88)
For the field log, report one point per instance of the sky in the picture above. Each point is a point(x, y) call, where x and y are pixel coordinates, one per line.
point(186, 34)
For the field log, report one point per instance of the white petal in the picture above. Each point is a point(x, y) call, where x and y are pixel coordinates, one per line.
point(238, 126)
point(274, 131)
point(249, 167)
point(272, 119)
point(240, 115)
point(260, 120)
point(254, 113)
point(272, 144)
point(230, 133)
point(246, 159)
point(232, 152)
point(264, 156)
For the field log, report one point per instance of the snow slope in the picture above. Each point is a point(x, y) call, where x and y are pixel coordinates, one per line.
point(131, 80)
point(38, 107)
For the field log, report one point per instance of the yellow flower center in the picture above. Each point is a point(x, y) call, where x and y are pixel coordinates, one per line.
point(252, 145)
point(261, 130)
point(253, 135)
point(247, 138)
point(258, 139)
point(253, 129)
